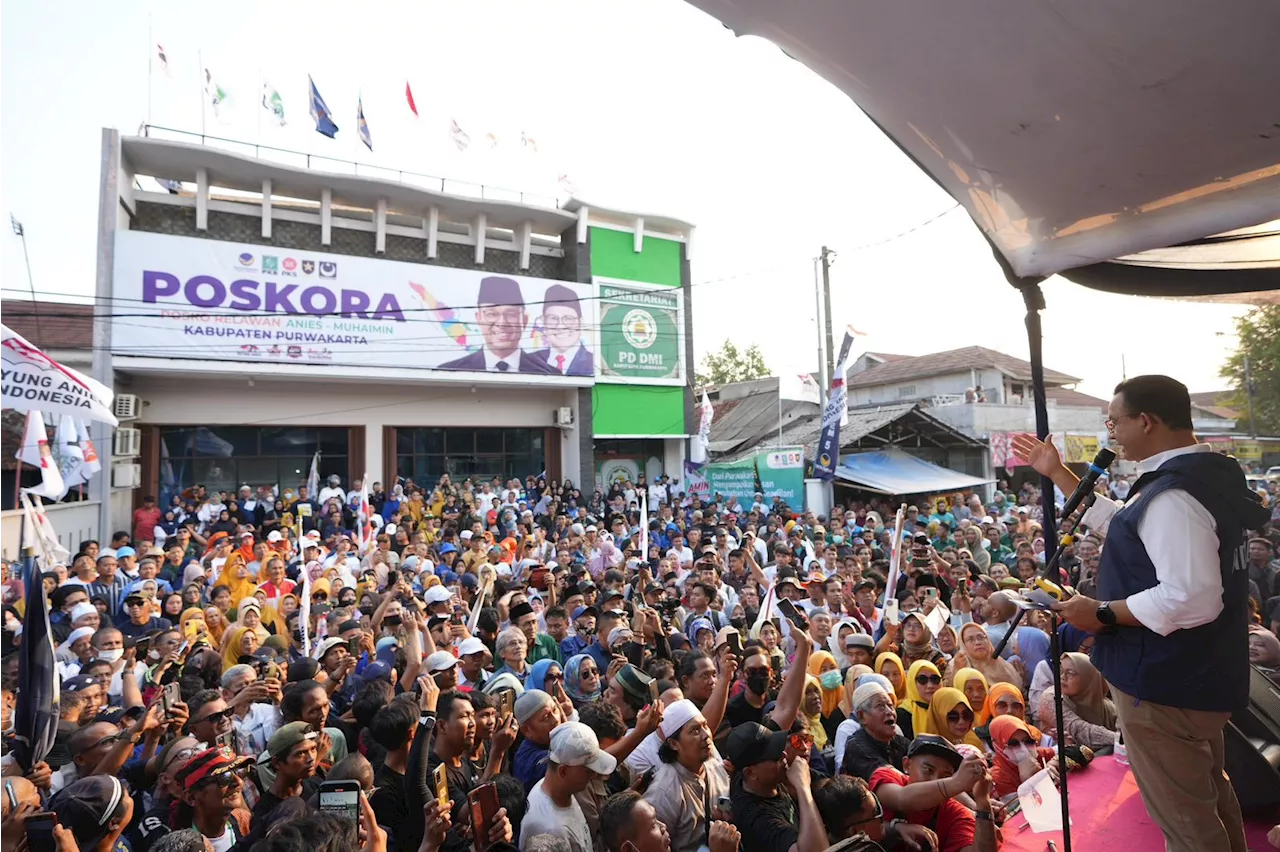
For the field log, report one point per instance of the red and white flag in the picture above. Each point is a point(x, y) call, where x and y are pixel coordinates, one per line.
point(408, 96)
point(35, 451)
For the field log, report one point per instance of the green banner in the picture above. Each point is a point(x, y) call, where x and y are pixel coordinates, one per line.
point(732, 479)
point(781, 473)
point(639, 332)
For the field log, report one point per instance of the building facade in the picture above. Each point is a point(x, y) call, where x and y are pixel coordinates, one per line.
point(258, 313)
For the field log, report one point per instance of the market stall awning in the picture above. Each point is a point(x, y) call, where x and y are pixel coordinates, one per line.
point(892, 471)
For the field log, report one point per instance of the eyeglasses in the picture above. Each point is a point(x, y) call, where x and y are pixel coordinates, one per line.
point(1111, 424)
point(924, 679)
point(119, 736)
point(963, 713)
point(215, 718)
point(180, 755)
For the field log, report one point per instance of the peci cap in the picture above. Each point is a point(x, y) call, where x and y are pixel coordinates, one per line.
point(751, 743)
point(530, 704)
point(677, 715)
point(634, 683)
point(574, 744)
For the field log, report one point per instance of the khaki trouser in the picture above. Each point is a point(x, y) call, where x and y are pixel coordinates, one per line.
point(1177, 759)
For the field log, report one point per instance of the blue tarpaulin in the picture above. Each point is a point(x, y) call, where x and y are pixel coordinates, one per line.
point(892, 471)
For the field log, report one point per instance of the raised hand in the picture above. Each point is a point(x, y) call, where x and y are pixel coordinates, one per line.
point(1043, 456)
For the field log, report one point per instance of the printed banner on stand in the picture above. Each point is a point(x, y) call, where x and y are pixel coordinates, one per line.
point(733, 479)
point(781, 474)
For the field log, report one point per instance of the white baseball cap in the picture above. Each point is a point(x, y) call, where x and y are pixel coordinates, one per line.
point(437, 594)
point(465, 535)
point(574, 744)
point(441, 661)
point(274, 536)
point(471, 645)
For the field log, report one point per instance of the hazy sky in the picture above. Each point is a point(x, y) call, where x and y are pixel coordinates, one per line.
point(646, 105)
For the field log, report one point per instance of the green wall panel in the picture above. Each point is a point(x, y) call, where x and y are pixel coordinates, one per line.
point(613, 255)
point(637, 410)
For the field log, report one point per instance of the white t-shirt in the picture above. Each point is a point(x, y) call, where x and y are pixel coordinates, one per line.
point(546, 817)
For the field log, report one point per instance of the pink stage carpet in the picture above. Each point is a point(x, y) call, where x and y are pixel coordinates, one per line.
point(1107, 814)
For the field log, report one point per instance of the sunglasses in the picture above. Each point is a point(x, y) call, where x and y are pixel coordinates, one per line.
point(1011, 705)
point(180, 755)
point(924, 679)
point(963, 713)
point(757, 671)
point(801, 742)
point(585, 673)
point(215, 718)
point(875, 817)
point(553, 677)
point(225, 779)
point(1016, 741)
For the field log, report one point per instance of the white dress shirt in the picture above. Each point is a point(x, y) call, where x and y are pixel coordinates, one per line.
point(491, 361)
point(568, 356)
point(1181, 539)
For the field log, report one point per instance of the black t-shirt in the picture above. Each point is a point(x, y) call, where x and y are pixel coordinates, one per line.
point(864, 754)
point(145, 833)
point(461, 780)
point(388, 802)
point(129, 630)
point(268, 801)
point(766, 824)
point(739, 710)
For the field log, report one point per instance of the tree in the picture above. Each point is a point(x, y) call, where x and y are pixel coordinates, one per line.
point(730, 365)
point(1259, 334)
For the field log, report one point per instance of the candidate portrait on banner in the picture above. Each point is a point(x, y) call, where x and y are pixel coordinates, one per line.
point(566, 353)
point(502, 317)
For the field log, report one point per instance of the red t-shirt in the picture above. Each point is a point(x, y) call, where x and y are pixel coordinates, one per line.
point(144, 523)
point(951, 821)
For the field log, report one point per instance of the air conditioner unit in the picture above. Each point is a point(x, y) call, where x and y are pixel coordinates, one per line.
point(126, 475)
point(127, 406)
point(127, 443)
point(564, 416)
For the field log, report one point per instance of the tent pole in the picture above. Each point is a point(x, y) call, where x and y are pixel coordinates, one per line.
point(1033, 298)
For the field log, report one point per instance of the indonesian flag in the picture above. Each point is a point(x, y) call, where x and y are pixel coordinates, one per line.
point(408, 96)
point(36, 452)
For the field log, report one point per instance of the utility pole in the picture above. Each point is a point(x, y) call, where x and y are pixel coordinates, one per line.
point(827, 256)
point(1248, 394)
point(21, 233)
point(824, 375)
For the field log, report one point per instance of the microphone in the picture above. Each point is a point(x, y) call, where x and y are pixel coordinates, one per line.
point(1097, 468)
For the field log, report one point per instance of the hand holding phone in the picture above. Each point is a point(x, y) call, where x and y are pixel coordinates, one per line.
point(341, 798)
point(484, 811)
point(441, 780)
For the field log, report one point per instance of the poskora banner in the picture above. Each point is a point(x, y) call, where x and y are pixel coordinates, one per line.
point(210, 300)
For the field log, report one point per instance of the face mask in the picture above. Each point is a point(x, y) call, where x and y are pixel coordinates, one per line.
point(393, 620)
point(739, 623)
point(830, 680)
point(758, 684)
point(368, 609)
point(112, 655)
point(1017, 753)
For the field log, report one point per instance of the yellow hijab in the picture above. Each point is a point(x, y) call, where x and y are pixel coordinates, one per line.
point(816, 730)
point(890, 657)
point(830, 697)
point(944, 701)
point(241, 587)
point(964, 676)
point(921, 721)
point(231, 647)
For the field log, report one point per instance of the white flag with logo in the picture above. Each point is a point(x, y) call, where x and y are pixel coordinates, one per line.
point(68, 455)
point(49, 551)
point(92, 464)
point(698, 453)
point(35, 382)
point(35, 451)
point(800, 387)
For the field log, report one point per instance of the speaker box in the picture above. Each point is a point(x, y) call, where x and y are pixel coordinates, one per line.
point(1252, 750)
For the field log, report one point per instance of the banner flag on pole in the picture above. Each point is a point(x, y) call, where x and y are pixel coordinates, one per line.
point(35, 719)
point(362, 126)
point(272, 102)
point(644, 526)
point(320, 112)
point(69, 456)
point(699, 450)
point(459, 136)
point(800, 387)
point(313, 478)
point(895, 554)
point(164, 61)
point(35, 382)
point(408, 96)
point(218, 96)
point(92, 464)
point(828, 454)
point(35, 451)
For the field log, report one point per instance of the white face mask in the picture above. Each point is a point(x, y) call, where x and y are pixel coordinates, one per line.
point(112, 655)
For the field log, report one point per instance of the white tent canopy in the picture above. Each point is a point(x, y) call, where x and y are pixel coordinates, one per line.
point(1073, 133)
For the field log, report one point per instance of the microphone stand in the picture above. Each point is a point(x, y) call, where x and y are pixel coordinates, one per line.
point(1050, 570)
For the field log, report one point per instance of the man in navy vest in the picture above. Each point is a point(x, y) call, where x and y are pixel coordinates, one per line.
point(1172, 612)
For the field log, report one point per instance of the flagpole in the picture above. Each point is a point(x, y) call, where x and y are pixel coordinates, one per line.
point(262, 89)
point(201, 88)
point(779, 410)
point(150, 49)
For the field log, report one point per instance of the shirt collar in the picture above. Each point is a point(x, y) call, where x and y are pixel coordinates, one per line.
point(491, 361)
point(1151, 463)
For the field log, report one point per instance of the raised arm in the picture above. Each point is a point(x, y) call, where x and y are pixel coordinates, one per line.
point(792, 691)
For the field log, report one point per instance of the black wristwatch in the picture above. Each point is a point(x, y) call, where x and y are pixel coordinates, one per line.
point(1105, 615)
point(427, 719)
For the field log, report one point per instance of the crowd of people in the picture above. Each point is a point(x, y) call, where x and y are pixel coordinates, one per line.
point(727, 677)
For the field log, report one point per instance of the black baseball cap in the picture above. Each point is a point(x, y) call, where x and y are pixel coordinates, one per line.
point(864, 584)
point(751, 743)
point(937, 746)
